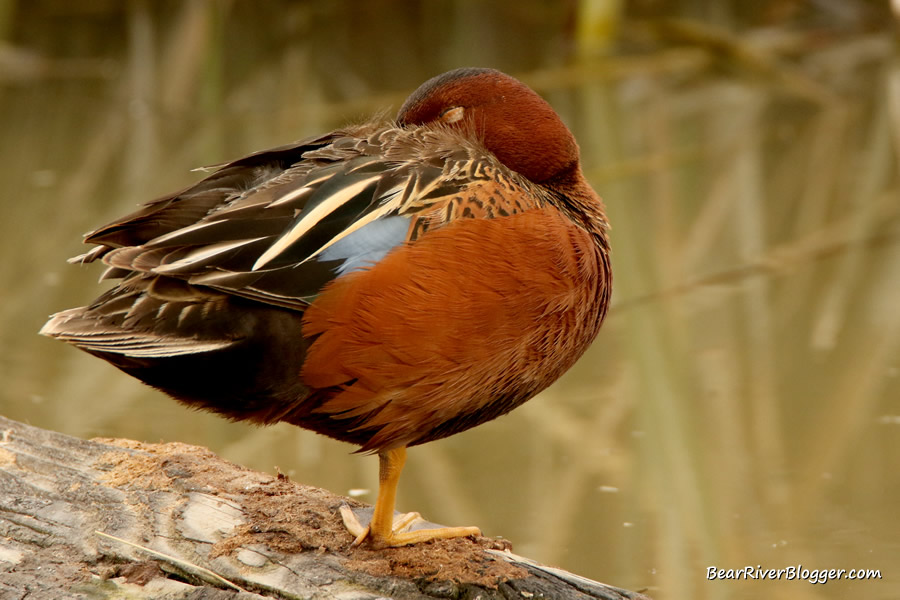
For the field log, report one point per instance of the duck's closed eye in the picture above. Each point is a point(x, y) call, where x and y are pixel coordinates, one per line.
point(452, 115)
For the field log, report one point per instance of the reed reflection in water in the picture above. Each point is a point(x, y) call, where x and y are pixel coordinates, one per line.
point(741, 404)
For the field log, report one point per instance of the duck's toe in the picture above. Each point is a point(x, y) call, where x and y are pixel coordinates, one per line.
point(406, 529)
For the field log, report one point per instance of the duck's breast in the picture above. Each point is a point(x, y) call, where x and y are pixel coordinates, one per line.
point(455, 329)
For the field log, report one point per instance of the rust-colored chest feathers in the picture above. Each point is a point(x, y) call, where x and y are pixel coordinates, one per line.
point(386, 284)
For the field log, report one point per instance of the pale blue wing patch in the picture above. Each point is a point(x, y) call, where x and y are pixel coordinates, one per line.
point(367, 245)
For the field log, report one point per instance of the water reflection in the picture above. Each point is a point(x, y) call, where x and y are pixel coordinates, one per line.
point(740, 406)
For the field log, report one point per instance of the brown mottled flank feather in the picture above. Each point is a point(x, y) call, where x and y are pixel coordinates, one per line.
point(386, 284)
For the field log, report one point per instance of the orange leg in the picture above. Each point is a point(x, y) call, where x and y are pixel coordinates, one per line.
point(385, 531)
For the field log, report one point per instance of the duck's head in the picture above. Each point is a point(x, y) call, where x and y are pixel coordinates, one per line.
point(519, 127)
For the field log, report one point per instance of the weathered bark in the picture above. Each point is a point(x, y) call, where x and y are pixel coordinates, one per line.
point(109, 518)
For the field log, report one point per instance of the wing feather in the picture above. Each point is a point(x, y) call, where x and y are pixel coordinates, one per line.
point(277, 226)
point(322, 204)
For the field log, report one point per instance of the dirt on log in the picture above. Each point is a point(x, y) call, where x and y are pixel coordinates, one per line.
point(112, 518)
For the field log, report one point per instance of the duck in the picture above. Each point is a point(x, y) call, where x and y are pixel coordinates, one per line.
point(386, 284)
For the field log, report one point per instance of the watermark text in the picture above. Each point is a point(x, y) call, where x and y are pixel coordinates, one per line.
point(792, 573)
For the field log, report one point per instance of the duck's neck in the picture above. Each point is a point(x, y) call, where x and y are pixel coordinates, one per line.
point(578, 199)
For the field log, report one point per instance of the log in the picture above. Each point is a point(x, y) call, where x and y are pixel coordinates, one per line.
point(116, 518)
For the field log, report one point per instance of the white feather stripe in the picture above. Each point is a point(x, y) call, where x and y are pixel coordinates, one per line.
point(328, 206)
point(290, 196)
point(179, 232)
point(309, 185)
point(202, 254)
point(211, 278)
point(383, 210)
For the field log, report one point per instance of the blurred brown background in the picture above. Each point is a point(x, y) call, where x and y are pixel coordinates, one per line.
point(742, 404)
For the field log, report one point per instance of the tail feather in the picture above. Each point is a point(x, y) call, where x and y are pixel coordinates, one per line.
point(77, 326)
point(205, 348)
